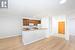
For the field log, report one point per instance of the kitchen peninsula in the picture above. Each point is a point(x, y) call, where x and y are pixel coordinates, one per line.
point(32, 31)
point(29, 36)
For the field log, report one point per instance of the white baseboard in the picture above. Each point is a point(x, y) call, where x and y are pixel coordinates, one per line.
point(9, 36)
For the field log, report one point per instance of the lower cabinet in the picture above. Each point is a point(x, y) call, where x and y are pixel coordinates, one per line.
point(32, 36)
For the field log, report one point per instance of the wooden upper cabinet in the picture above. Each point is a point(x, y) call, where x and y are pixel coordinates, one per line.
point(25, 22)
point(39, 21)
point(35, 21)
point(32, 21)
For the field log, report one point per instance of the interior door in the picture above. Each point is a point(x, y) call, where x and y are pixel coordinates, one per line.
point(61, 27)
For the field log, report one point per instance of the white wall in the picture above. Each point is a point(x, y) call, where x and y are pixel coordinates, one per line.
point(45, 23)
point(71, 24)
point(10, 26)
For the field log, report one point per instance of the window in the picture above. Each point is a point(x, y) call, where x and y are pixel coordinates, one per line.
point(3, 3)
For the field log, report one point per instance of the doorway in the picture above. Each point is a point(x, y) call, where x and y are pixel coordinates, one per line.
point(61, 27)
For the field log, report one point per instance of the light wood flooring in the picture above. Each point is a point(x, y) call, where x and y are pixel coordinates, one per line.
point(52, 43)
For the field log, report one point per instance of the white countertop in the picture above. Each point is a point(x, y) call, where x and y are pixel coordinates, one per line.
point(36, 29)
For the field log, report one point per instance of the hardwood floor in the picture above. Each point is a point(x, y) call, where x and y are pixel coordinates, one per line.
point(52, 43)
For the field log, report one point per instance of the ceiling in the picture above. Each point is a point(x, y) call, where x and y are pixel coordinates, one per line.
point(38, 7)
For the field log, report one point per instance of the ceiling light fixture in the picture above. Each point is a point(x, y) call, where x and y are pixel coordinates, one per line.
point(62, 1)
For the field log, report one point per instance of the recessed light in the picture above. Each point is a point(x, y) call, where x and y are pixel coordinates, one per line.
point(62, 1)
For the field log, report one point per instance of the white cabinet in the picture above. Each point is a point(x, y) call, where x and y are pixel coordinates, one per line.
point(32, 36)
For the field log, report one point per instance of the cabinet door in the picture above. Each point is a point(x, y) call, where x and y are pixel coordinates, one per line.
point(35, 21)
point(25, 22)
point(39, 21)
